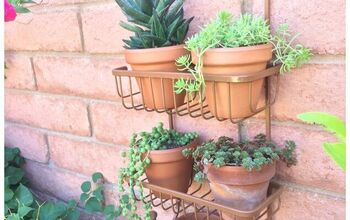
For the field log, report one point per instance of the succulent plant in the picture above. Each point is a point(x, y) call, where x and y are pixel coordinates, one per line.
point(155, 23)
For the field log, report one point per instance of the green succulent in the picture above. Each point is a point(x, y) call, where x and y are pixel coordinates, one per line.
point(227, 32)
point(140, 145)
point(155, 23)
point(252, 155)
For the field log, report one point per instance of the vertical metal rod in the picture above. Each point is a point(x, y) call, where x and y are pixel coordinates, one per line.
point(171, 121)
point(267, 11)
point(268, 109)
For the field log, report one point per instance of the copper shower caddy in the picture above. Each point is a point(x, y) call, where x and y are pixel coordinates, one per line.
point(197, 203)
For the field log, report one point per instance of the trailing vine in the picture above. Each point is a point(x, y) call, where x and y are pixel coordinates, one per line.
point(140, 146)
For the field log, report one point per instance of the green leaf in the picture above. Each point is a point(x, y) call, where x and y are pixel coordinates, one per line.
point(93, 205)
point(8, 194)
point(337, 152)
point(97, 176)
point(15, 174)
point(20, 9)
point(108, 210)
point(13, 216)
point(24, 210)
point(24, 195)
point(86, 186)
point(84, 197)
point(74, 215)
point(330, 122)
point(52, 210)
point(98, 193)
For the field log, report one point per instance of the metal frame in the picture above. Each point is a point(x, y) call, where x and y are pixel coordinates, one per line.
point(195, 104)
point(198, 203)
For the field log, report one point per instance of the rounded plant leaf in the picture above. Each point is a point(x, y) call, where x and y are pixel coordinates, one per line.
point(96, 177)
point(8, 194)
point(84, 197)
point(24, 210)
point(24, 195)
point(74, 215)
point(86, 186)
point(93, 205)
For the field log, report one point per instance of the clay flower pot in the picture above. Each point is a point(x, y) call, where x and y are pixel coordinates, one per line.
point(170, 169)
point(156, 59)
point(238, 188)
point(234, 61)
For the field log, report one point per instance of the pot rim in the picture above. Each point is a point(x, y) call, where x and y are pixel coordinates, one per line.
point(176, 149)
point(239, 168)
point(160, 49)
point(239, 49)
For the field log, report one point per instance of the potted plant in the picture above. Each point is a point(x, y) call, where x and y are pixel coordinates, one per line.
point(159, 30)
point(158, 154)
point(237, 47)
point(239, 172)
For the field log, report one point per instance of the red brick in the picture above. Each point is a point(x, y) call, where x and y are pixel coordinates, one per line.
point(91, 77)
point(19, 72)
point(311, 20)
point(102, 33)
point(84, 157)
point(208, 11)
point(59, 114)
point(61, 184)
point(112, 123)
point(31, 142)
point(311, 88)
point(36, 31)
point(315, 168)
point(298, 205)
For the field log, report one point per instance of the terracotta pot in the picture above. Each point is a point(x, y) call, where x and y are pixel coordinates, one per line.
point(234, 61)
point(238, 188)
point(156, 59)
point(170, 169)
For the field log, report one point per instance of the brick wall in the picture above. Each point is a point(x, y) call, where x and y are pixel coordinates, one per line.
point(62, 111)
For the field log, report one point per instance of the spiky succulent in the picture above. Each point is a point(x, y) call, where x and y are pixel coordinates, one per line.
point(155, 23)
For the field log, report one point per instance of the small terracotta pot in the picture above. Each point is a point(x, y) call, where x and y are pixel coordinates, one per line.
point(238, 188)
point(156, 59)
point(234, 61)
point(171, 169)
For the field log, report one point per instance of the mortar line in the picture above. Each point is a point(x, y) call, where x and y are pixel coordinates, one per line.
point(80, 23)
point(119, 104)
point(84, 54)
point(48, 155)
point(70, 136)
point(89, 115)
point(310, 189)
point(34, 73)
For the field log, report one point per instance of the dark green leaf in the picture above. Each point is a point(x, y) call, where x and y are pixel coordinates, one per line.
point(109, 209)
point(8, 194)
point(86, 186)
point(84, 197)
point(24, 210)
point(13, 216)
point(24, 195)
point(52, 210)
point(93, 205)
point(97, 176)
point(15, 174)
point(74, 215)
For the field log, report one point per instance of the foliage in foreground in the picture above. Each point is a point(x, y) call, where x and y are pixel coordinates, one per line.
point(20, 203)
point(331, 123)
point(252, 155)
point(227, 32)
